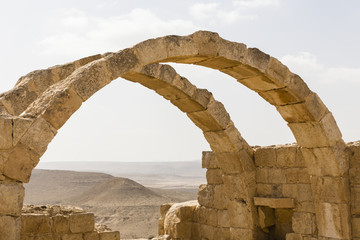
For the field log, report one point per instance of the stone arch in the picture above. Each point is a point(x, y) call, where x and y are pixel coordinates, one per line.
point(310, 121)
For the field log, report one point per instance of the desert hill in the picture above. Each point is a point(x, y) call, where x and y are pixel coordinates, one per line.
point(118, 202)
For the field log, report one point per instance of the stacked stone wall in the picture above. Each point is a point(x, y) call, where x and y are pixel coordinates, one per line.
point(284, 199)
point(62, 223)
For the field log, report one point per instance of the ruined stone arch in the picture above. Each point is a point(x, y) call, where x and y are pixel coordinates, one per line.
point(49, 97)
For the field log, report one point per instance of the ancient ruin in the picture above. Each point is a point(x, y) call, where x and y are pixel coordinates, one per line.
point(306, 191)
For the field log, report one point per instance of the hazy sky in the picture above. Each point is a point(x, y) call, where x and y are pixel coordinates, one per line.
point(319, 40)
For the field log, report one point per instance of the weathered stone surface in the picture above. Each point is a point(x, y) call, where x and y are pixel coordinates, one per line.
point(109, 235)
point(206, 195)
point(209, 160)
point(61, 224)
point(39, 136)
point(11, 198)
point(294, 236)
point(275, 202)
point(266, 217)
point(333, 220)
point(265, 157)
point(6, 130)
point(304, 223)
point(241, 215)
point(356, 227)
point(91, 236)
point(72, 236)
point(82, 222)
point(32, 223)
point(214, 176)
point(19, 163)
point(10, 227)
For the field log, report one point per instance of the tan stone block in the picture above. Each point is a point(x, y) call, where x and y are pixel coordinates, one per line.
point(207, 231)
point(222, 233)
point(241, 233)
point(266, 217)
point(195, 231)
point(91, 78)
point(20, 161)
point(276, 176)
point(331, 161)
point(72, 236)
point(206, 195)
point(32, 223)
point(279, 97)
point(232, 50)
point(218, 63)
point(229, 163)
point(331, 189)
point(354, 155)
point(262, 175)
point(277, 72)
point(294, 236)
point(164, 208)
point(39, 136)
point(333, 220)
point(152, 50)
point(56, 106)
point(355, 200)
point(260, 83)
point(223, 218)
point(19, 98)
point(91, 236)
point(263, 190)
point(304, 223)
point(47, 236)
point(148, 81)
point(275, 202)
point(286, 157)
point(208, 216)
point(304, 192)
point(242, 72)
point(10, 227)
point(182, 84)
point(290, 190)
point(207, 42)
point(115, 235)
point(20, 126)
point(60, 224)
point(309, 134)
point(220, 197)
point(257, 59)
point(6, 130)
point(228, 140)
point(82, 222)
point(354, 174)
point(182, 49)
point(297, 175)
point(209, 160)
point(11, 198)
point(240, 186)
point(265, 157)
point(240, 214)
point(355, 227)
point(297, 86)
point(122, 62)
point(304, 207)
point(214, 176)
point(171, 93)
point(187, 105)
point(214, 118)
point(313, 109)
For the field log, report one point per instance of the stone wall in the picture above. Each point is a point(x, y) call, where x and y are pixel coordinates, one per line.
point(284, 199)
point(62, 223)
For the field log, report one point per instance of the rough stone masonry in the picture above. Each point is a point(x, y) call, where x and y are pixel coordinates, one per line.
point(305, 191)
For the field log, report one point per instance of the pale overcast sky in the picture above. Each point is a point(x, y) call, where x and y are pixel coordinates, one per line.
point(319, 40)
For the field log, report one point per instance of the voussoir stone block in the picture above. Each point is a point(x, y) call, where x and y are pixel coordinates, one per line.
point(6, 130)
point(152, 50)
point(214, 176)
point(19, 162)
point(39, 135)
point(209, 160)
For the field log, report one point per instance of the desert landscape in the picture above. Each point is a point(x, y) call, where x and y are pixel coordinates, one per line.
point(118, 202)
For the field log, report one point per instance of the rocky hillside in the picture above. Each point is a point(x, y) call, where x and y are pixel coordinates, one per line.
point(120, 203)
